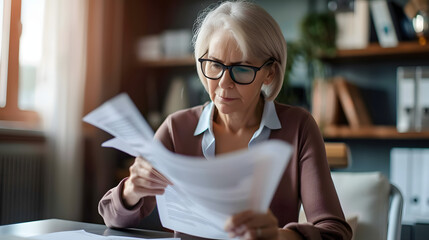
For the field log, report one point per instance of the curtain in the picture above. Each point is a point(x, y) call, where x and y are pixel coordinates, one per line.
point(59, 100)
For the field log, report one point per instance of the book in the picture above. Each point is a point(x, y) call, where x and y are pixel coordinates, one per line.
point(325, 104)
point(352, 103)
point(383, 23)
point(353, 27)
point(422, 99)
point(406, 99)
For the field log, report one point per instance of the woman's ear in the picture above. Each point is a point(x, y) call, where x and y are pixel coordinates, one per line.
point(270, 74)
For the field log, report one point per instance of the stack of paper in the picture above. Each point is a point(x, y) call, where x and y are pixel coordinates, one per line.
point(205, 193)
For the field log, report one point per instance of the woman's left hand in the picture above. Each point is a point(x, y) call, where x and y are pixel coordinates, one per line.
point(251, 225)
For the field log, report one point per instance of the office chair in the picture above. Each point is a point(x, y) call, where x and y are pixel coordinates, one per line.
point(374, 200)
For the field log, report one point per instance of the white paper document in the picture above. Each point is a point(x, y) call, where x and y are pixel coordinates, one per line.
point(83, 235)
point(205, 192)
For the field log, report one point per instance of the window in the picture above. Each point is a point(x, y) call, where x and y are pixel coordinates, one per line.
point(4, 46)
point(30, 51)
point(21, 48)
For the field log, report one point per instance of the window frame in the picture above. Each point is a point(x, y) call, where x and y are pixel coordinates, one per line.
point(11, 111)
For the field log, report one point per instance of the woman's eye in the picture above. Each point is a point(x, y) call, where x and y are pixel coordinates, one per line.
point(216, 65)
point(240, 69)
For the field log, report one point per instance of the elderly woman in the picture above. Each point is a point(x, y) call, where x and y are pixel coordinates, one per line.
point(240, 55)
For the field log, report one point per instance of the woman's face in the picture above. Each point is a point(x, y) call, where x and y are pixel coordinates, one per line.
point(228, 96)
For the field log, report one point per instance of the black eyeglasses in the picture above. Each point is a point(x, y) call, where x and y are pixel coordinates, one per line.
point(240, 74)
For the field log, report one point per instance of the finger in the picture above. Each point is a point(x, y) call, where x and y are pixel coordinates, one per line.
point(147, 165)
point(262, 220)
point(154, 173)
point(147, 183)
point(261, 233)
point(237, 220)
point(270, 233)
point(148, 192)
point(162, 176)
point(145, 171)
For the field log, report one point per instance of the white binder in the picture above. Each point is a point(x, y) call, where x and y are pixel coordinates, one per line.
point(416, 185)
point(405, 110)
point(400, 173)
point(409, 171)
point(425, 184)
point(422, 104)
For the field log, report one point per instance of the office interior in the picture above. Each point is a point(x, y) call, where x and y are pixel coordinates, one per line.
point(52, 164)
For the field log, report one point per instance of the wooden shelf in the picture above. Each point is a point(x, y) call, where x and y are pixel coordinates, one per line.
point(375, 50)
point(338, 154)
point(168, 62)
point(373, 132)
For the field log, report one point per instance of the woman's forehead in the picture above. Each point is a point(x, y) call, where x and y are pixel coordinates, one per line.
point(223, 46)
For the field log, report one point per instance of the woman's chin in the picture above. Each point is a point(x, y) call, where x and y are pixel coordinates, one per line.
point(225, 108)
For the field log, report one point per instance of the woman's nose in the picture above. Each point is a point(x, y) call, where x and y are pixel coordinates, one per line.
point(225, 81)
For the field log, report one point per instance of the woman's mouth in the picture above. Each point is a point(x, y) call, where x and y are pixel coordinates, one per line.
point(226, 99)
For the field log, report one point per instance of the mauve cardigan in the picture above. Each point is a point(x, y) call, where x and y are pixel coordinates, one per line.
point(306, 180)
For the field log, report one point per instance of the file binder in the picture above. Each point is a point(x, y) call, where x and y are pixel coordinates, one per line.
point(409, 171)
point(400, 172)
point(422, 104)
point(425, 181)
point(405, 101)
point(416, 185)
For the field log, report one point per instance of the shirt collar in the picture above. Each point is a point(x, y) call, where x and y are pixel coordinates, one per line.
point(269, 118)
point(205, 121)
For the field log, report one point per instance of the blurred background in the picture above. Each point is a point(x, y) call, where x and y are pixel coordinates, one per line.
point(60, 59)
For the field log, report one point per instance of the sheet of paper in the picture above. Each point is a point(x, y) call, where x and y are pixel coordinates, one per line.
point(205, 192)
point(83, 235)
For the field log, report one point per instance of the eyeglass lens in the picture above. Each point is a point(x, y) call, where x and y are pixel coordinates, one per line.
point(240, 74)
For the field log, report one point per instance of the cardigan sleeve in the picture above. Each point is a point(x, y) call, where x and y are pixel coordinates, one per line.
point(115, 214)
point(317, 192)
point(111, 206)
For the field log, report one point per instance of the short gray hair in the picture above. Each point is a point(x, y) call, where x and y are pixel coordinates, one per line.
point(256, 32)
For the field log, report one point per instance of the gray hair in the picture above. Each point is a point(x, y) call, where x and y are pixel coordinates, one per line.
point(256, 32)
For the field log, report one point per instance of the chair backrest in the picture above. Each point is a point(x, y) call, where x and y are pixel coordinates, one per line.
point(395, 214)
point(376, 203)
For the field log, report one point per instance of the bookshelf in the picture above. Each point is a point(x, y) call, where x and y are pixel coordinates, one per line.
point(168, 62)
point(373, 132)
point(352, 62)
point(375, 50)
point(337, 132)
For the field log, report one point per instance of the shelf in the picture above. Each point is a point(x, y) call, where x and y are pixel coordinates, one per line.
point(169, 62)
point(338, 154)
point(375, 50)
point(373, 132)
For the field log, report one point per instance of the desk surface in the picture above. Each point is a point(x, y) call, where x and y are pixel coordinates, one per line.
point(34, 228)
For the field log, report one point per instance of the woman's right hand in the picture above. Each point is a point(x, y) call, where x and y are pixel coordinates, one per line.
point(144, 180)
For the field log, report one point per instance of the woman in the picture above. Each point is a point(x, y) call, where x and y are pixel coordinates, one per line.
point(241, 56)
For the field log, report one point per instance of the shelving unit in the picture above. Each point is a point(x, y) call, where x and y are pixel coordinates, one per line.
point(375, 50)
point(168, 62)
point(411, 50)
point(375, 132)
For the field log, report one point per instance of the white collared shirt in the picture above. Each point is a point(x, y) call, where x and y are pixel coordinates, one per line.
point(269, 121)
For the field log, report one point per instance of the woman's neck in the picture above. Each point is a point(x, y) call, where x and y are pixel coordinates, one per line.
point(243, 120)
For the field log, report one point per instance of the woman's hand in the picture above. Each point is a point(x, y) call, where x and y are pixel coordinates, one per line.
point(251, 225)
point(143, 181)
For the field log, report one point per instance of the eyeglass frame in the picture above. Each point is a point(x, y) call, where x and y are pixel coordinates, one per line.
point(229, 67)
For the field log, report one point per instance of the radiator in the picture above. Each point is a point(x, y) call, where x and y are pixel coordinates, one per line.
point(21, 182)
